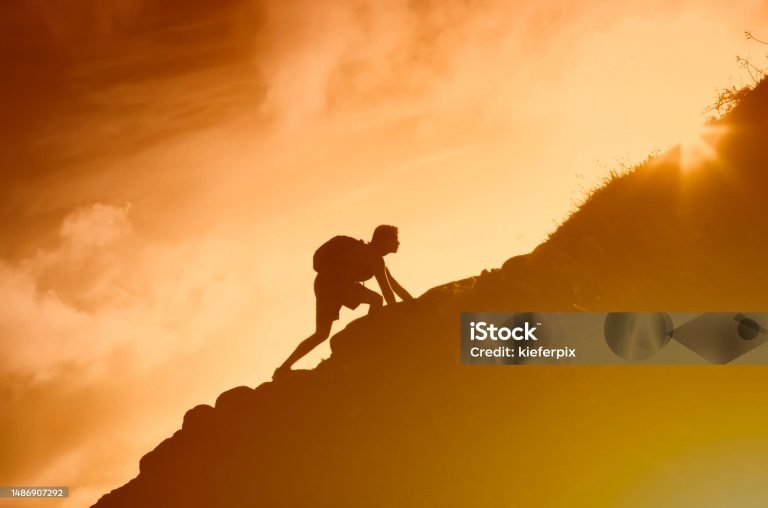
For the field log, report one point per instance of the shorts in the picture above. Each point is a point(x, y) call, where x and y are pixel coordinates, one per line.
point(332, 294)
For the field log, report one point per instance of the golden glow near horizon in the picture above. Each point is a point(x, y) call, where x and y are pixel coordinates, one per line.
point(700, 146)
point(165, 200)
point(722, 474)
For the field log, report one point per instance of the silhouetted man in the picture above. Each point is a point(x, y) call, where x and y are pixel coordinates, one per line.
point(342, 264)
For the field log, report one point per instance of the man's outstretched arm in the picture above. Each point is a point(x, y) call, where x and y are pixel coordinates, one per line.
point(398, 289)
point(381, 278)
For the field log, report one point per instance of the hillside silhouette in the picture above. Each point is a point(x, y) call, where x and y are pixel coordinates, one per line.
point(392, 418)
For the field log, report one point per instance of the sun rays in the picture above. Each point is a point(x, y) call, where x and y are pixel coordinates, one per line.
point(699, 147)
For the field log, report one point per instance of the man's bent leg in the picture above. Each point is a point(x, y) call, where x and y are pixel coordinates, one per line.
point(373, 299)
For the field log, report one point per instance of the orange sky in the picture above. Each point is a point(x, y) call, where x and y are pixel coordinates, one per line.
point(171, 166)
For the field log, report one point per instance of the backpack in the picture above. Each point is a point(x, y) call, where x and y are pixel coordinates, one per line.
point(344, 258)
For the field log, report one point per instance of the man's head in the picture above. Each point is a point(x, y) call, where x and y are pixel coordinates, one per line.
point(385, 240)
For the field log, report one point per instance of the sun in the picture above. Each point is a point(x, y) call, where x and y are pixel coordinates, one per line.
point(700, 146)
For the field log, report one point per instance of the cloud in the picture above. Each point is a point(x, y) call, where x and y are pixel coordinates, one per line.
point(96, 226)
point(101, 289)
